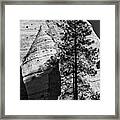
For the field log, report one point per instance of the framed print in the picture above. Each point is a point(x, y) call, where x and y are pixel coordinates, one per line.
point(60, 59)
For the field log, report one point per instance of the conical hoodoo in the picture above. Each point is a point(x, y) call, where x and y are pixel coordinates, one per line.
point(41, 81)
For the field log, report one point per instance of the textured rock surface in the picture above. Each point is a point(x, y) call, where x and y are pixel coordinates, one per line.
point(37, 45)
point(39, 40)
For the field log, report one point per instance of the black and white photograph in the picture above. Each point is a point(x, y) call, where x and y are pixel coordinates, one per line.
point(59, 59)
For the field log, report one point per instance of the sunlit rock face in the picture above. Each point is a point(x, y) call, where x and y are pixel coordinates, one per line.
point(41, 83)
point(39, 42)
point(40, 51)
point(28, 32)
point(37, 47)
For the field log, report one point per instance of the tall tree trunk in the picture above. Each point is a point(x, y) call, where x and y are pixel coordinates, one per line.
point(75, 72)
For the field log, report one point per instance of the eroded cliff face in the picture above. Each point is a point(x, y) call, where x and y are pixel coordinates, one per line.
point(39, 51)
point(37, 45)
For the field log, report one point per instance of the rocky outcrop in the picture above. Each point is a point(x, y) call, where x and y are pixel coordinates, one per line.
point(41, 82)
point(39, 43)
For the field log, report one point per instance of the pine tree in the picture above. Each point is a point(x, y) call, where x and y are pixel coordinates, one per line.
point(76, 58)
